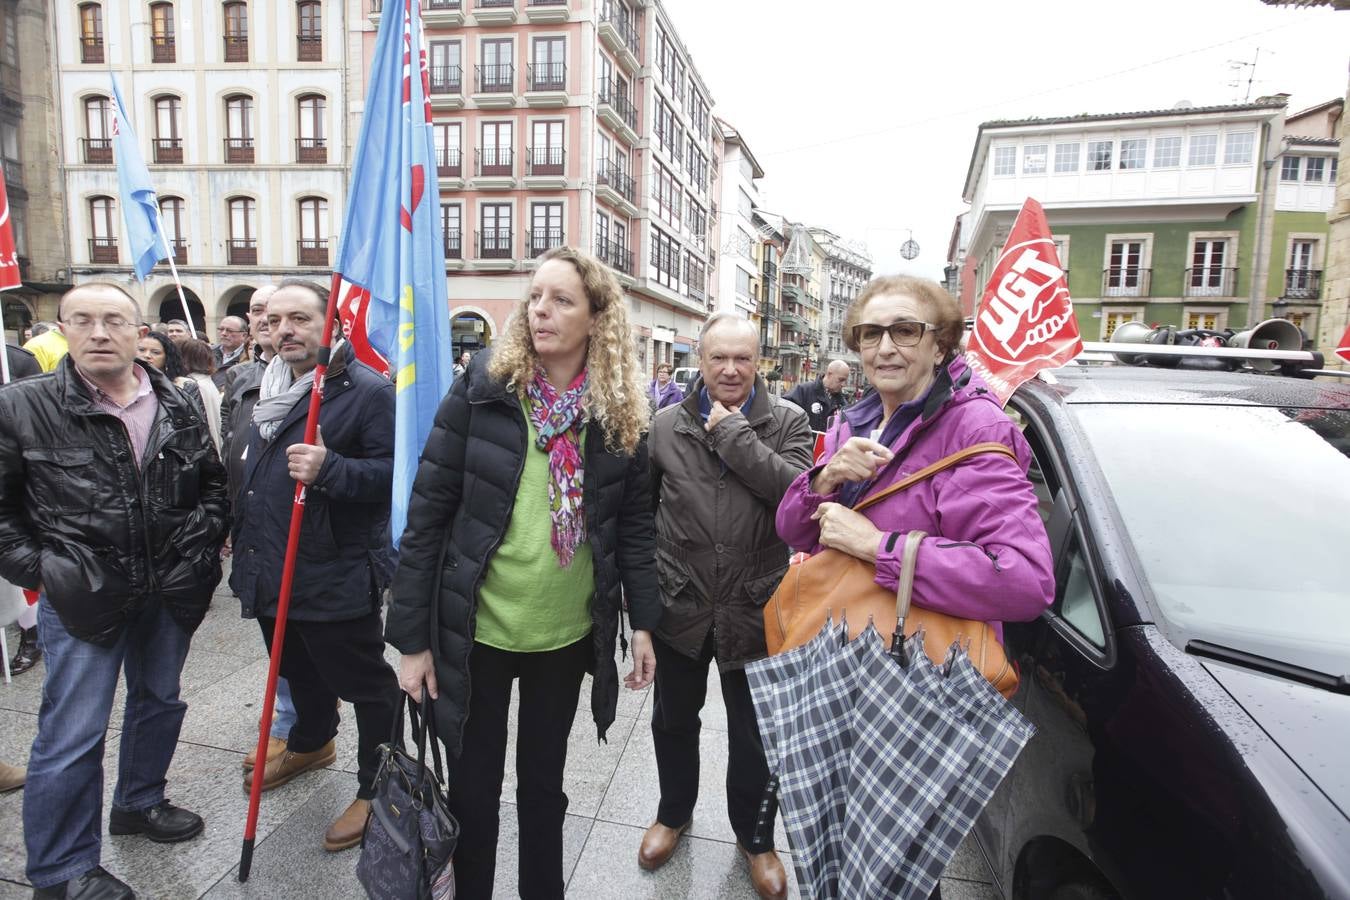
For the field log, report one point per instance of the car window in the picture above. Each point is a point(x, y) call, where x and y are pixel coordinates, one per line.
point(1074, 600)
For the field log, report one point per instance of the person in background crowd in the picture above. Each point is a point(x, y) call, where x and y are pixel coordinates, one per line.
point(663, 392)
point(233, 347)
point(528, 570)
point(177, 330)
point(27, 334)
point(464, 359)
point(48, 344)
point(22, 363)
point(157, 350)
point(128, 556)
point(721, 461)
point(822, 398)
point(199, 364)
point(333, 645)
point(986, 555)
point(160, 328)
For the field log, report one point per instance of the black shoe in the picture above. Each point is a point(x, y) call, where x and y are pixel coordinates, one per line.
point(28, 653)
point(162, 823)
point(96, 884)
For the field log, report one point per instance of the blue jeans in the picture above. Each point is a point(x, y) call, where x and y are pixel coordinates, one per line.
point(283, 710)
point(63, 799)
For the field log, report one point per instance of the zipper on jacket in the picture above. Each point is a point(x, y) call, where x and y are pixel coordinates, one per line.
point(993, 557)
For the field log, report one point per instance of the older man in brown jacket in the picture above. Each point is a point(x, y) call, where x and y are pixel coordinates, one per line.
point(720, 461)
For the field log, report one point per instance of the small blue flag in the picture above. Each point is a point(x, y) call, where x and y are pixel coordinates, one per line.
point(140, 208)
point(391, 260)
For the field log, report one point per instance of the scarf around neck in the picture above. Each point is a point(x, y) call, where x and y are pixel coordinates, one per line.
point(558, 420)
point(277, 396)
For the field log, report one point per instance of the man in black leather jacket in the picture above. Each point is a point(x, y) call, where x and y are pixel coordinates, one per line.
point(112, 500)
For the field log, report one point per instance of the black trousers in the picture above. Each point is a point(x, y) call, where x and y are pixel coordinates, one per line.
point(681, 688)
point(549, 686)
point(325, 661)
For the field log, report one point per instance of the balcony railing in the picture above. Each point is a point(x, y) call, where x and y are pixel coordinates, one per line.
point(615, 15)
point(768, 311)
point(768, 350)
point(546, 161)
point(162, 48)
point(447, 80)
point(236, 48)
point(494, 243)
point(543, 240)
point(13, 172)
point(495, 79)
point(179, 251)
point(494, 4)
point(610, 174)
point(168, 150)
point(238, 150)
point(611, 96)
point(546, 76)
point(309, 48)
point(1299, 284)
point(311, 150)
point(1126, 281)
point(1210, 281)
point(547, 3)
point(242, 252)
point(614, 255)
point(312, 251)
point(103, 250)
point(97, 150)
point(494, 161)
point(449, 162)
point(454, 243)
point(91, 49)
point(444, 4)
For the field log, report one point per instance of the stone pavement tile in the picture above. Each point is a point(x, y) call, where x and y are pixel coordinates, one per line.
point(576, 829)
point(633, 796)
point(24, 692)
point(17, 730)
point(291, 861)
point(960, 889)
point(225, 631)
point(968, 863)
point(590, 764)
point(11, 891)
point(700, 868)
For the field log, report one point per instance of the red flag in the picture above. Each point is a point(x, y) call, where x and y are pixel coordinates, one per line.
point(819, 450)
point(1025, 320)
point(9, 259)
point(1343, 348)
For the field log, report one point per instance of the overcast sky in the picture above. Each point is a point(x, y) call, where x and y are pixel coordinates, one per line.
point(863, 113)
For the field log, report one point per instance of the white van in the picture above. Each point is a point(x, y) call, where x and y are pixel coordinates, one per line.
point(684, 377)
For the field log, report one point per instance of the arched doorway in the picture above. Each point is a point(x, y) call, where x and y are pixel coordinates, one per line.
point(470, 331)
point(18, 317)
point(236, 302)
point(171, 307)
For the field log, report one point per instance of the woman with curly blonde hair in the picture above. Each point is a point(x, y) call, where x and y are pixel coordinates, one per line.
point(529, 524)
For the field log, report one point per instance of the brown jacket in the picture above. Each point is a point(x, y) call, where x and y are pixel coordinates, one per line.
point(718, 556)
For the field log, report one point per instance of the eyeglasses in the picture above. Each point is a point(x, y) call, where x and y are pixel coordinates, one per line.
point(81, 322)
point(905, 333)
point(223, 330)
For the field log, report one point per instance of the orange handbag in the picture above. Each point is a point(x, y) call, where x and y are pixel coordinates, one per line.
point(834, 583)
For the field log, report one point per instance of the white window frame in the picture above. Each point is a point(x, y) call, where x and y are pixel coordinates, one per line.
point(1004, 161)
point(1138, 156)
point(1228, 147)
point(1100, 163)
point(1077, 157)
point(1145, 261)
point(1211, 138)
point(1029, 152)
point(1230, 256)
point(1175, 142)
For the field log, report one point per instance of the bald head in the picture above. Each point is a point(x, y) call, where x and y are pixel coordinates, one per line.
point(103, 290)
point(836, 373)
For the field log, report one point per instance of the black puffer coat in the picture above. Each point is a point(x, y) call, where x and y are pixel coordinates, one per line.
point(107, 539)
point(462, 500)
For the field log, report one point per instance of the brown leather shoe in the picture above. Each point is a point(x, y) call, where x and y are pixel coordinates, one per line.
point(766, 873)
point(658, 844)
point(11, 777)
point(275, 747)
point(289, 765)
point(346, 831)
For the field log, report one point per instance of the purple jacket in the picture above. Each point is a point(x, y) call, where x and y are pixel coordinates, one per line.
point(663, 397)
point(986, 555)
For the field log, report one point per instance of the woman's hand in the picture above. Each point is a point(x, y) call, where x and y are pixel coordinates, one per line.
point(857, 460)
point(415, 669)
point(843, 529)
point(644, 662)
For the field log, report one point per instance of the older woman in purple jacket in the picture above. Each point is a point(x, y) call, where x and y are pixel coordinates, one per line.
point(663, 392)
point(986, 556)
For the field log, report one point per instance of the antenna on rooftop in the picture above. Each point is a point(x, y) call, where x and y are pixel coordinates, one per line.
point(1236, 66)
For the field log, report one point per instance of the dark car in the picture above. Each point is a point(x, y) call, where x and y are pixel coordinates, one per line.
point(1189, 685)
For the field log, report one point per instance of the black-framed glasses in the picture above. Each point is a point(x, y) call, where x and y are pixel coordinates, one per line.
point(904, 333)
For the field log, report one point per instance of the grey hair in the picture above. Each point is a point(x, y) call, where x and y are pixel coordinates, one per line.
point(729, 317)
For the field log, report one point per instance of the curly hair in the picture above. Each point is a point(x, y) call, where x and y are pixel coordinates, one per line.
point(173, 360)
point(941, 306)
point(615, 396)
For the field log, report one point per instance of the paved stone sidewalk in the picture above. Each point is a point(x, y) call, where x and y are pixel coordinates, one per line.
point(612, 788)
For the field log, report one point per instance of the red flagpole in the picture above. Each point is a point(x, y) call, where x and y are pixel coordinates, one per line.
point(284, 599)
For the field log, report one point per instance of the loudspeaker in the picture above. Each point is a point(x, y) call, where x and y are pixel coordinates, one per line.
point(1272, 334)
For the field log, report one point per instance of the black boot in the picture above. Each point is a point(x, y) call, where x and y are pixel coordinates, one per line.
point(28, 653)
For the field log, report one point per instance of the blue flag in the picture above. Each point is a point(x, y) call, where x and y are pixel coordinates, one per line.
point(391, 259)
point(140, 209)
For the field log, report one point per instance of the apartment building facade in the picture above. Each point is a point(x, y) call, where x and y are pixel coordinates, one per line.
point(1194, 217)
point(847, 267)
point(239, 108)
point(579, 122)
point(738, 270)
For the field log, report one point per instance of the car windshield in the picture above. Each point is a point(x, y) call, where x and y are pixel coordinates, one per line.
point(1240, 517)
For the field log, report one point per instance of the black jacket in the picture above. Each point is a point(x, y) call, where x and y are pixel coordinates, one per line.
point(21, 363)
point(105, 538)
point(818, 404)
point(462, 500)
point(343, 562)
point(237, 399)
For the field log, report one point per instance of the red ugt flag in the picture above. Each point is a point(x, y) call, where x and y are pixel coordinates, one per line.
point(9, 259)
point(1025, 320)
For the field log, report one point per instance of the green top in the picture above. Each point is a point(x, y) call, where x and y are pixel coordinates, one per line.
point(528, 602)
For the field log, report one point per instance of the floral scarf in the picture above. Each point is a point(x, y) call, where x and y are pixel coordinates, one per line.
point(558, 420)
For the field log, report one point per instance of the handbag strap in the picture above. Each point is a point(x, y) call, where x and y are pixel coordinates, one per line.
point(904, 588)
point(932, 469)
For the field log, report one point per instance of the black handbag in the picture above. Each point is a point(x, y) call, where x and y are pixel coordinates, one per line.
point(410, 835)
